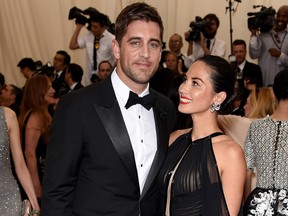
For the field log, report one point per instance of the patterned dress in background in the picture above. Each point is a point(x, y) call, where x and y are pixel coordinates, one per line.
point(266, 147)
point(10, 200)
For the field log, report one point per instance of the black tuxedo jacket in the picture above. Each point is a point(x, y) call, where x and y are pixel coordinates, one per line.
point(60, 86)
point(252, 71)
point(77, 86)
point(90, 166)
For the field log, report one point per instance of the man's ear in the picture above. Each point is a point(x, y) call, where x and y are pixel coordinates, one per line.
point(116, 49)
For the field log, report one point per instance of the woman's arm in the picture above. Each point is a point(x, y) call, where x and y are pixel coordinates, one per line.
point(18, 159)
point(32, 136)
point(232, 168)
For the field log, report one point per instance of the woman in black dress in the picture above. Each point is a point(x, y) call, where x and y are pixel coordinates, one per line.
point(205, 171)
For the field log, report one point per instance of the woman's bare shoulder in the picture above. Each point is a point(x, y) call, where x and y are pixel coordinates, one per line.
point(227, 148)
point(174, 135)
point(10, 117)
point(9, 114)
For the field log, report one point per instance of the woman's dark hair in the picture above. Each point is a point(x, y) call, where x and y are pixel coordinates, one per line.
point(280, 86)
point(134, 12)
point(222, 77)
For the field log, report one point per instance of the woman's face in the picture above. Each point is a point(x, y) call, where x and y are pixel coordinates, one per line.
point(196, 92)
point(49, 96)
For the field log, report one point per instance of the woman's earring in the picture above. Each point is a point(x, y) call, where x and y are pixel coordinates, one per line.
point(215, 107)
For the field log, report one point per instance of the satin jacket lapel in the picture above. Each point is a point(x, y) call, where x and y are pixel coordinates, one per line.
point(110, 114)
point(161, 131)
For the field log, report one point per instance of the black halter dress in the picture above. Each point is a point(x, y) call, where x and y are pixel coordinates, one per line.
point(191, 179)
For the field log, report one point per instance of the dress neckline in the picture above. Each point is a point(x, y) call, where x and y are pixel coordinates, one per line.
point(189, 135)
point(276, 120)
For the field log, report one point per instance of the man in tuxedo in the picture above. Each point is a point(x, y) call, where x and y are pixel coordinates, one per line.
point(249, 76)
point(27, 67)
point(107, 146)
point(73, 76)
point(250, 73)
point(60, 63)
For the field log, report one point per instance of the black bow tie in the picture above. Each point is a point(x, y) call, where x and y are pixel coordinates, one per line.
point(147, 101)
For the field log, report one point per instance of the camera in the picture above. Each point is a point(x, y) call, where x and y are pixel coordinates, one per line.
point(79, 15)
point(263, 20)
point(197, 27)
point(81, 18)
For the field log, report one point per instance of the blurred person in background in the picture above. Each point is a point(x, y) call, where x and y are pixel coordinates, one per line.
point(35, 121)
point(73, 76)
point(10, 148)
point(97, 42)
point(271, 48)
point(266, 147)
point(60, 63)
point(175, 45)
point(104, 70)
point(173, 63)
point(260, 103)
point(27, 67)
point(11, 97)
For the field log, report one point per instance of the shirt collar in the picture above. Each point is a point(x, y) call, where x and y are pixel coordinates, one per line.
point(121, 89)
point(241, 66)
point(59, 73)
point(73, 86)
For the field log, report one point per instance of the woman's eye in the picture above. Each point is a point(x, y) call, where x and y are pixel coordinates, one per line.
point(194, 83)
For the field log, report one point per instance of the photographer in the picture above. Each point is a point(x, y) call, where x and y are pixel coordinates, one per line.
point(271, 48)
point(97, 43)
point(206, 44)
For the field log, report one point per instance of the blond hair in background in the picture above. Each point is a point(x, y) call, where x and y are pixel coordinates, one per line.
point(265, 103)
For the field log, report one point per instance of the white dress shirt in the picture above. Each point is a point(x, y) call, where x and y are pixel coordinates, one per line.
point(104, 52)
point(217, 48)
point(140, 124)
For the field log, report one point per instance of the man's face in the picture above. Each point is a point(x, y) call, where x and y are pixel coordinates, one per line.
point(240, 53)
point(25, 72)
point(210, 31)
point(104, 70)
point(6, 93)
point(58, 63)
point(97, 29)
point(175, 44)
point(139, 54)
point(282, 18)
point(171, 61)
